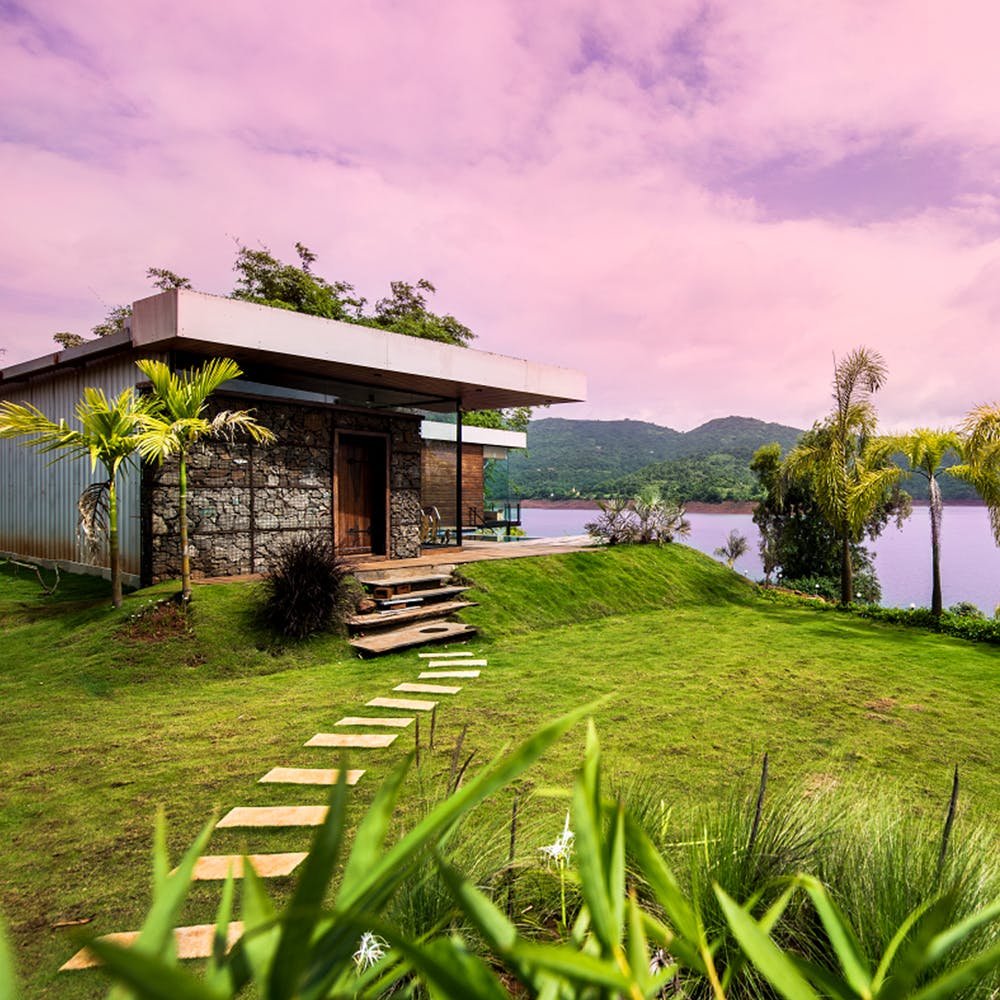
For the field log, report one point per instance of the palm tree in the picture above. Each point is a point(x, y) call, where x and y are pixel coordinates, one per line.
point(108, 435)
point(735, 546)
point(849, 468)
point(178, 422)
point(981, 448)
point(924, 450)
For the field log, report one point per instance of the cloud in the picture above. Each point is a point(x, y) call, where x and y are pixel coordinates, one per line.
point(696, 203)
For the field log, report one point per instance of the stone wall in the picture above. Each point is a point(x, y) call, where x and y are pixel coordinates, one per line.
point(246, 501)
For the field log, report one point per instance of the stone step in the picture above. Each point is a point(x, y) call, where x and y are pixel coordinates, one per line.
point(191, 942)
point(408, 704)
point(442, 656)
point(396, 722)
point(436, 661)
point(263, 816)
point(442, 674)
point(308, 776)
point(212, 867)
point(354, 740)
point(426, 688)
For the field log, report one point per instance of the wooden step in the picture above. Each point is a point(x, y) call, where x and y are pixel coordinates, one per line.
point(395, 577)
point(379, 620)
point(423, 596)
point(411, 635)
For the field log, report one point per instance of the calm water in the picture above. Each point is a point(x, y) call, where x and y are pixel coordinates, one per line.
point(970, 562)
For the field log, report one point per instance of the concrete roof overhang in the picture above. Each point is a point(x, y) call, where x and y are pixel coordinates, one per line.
point(308, 352)
point(355, 364)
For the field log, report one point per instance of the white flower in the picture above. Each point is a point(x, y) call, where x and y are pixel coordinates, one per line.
point(561, 851)
point(371, 948)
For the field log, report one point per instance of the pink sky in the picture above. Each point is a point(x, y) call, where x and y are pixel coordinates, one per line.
point(697, 204)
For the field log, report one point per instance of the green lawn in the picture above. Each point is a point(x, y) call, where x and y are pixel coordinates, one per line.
point(104, 719)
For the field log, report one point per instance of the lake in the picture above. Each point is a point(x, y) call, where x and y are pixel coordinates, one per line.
point(970, 561)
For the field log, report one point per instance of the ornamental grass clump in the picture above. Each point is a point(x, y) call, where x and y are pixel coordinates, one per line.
point(308, 591)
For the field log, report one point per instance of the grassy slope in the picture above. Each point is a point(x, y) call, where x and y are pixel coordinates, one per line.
point(100, 728)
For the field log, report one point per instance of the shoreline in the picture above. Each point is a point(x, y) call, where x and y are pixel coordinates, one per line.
point(697, 507)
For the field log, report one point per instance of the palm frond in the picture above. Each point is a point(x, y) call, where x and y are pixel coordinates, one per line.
point(93, 524)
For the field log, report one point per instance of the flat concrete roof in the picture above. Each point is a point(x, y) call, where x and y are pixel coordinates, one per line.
point(357, 363)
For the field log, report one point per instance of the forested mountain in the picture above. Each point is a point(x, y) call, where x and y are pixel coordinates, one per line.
point(571, 458)
point(599, 458)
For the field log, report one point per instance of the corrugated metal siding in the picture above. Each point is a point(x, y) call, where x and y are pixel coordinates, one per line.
point(38, 512)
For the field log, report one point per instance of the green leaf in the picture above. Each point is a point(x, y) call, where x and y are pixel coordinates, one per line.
point(451, 969)
point(662, 882)
point(261, 933)
point(773, 963)
point(372, 888)
point(299, 920)
point(216, 972)
point(151, 977)
point(8, 971)
point(577, 966)
point(841, 935)
point(969, 973)
point(947, 939)
point(590, 847)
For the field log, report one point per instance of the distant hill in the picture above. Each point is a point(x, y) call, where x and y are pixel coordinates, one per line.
point(598, 458)
point(595, 457)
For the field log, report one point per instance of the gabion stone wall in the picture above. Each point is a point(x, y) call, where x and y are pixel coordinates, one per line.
point(245, 501)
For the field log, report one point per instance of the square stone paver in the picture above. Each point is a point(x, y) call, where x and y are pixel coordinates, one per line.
point(396, 722)
point(308, 776)
point(430, 674)
point(405, 703)
point(216, 866)
point(352, 740)
point(427, 688)
point(252, 816)
point(192, 942)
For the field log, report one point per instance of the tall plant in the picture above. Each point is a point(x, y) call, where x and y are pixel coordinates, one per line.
point(981, 439)
point(850, 470)
point(925, 449)
point(178, 420)
point(107, 435)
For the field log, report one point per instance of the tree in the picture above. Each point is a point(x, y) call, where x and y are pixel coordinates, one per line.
point(735, 546)
point(851, 473)
point(925, 449)
point(265, 279)
point(118, 316)
point(406, 312)
point(177, 421)
point(108, 435)
point(797, 541)
point(981, 448)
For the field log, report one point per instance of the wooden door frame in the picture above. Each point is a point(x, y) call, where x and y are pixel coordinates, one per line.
point(338, 433)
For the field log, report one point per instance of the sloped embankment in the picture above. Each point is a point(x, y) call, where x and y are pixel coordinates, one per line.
point(527, 595)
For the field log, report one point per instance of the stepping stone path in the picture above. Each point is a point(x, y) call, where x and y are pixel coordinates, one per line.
point(426, 689)
point(210, 867)
point(367, 740)
point(396, 722)
point(196, 941)
point(409, 704)
point(308, 776)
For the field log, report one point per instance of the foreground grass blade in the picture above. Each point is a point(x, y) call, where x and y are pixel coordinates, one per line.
point(152, 977)
point(773, 963)
point(841, 936)
point(371, 889)
point(299, 921)
point(8, 971)
point(216, 973)
point(967, 974)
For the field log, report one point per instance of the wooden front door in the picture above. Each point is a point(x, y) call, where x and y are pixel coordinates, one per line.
point(361, 497)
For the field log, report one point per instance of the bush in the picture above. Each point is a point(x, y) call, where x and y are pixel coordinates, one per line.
point(308, 591)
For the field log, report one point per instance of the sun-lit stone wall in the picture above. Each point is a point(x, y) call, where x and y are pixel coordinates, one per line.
point(246, 501)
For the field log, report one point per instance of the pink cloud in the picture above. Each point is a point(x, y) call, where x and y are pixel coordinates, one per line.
point(567, 174)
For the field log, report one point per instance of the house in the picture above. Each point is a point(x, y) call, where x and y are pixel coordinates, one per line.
point(350, 464)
